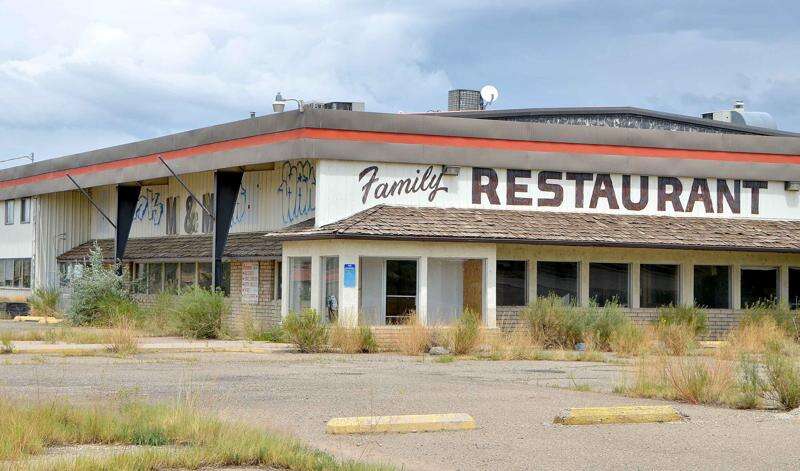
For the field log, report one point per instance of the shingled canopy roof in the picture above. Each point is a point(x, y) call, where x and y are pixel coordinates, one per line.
point(240, 246)
point(556, 228)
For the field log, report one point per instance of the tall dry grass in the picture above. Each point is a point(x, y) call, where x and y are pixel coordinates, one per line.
point(414, 338)
point(352, 340)
point(123, 339)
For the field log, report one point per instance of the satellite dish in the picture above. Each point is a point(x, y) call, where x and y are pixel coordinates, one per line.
point(489, 94)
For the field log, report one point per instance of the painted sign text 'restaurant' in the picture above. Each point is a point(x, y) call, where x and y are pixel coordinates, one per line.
point(727, 193)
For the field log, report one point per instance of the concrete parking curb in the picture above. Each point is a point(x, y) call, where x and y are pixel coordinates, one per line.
point(618, 415)
point(89, 349)
point(400, 424)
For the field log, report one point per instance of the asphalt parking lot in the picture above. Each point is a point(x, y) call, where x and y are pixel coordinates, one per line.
point(513, 403)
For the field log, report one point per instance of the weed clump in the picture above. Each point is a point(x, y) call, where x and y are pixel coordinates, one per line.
point(306, 331)
point(692, 317)
point(199, 313)
point(466, 333)
point(352, 340)
point(414, 338)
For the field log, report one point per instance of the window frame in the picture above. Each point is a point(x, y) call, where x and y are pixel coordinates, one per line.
point(628, 284)
point(9, 215)
point(526, 280)
point(678, 290)
point(386, 294)
point(25, 207)
point(730, 286)
point(763, 268)
point(577, 264)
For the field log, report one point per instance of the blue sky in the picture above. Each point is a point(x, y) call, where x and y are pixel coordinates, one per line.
point(88, 74)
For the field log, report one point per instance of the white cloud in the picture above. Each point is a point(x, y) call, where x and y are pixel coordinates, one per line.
point(148, 68)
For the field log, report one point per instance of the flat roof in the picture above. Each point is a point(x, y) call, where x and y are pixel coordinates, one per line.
point(616, 110)
point(416, 139)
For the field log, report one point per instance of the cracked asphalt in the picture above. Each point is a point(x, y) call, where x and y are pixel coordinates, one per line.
point(513, 403)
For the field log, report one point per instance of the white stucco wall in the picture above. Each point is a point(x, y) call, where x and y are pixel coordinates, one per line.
point(355, 252)
point(344, 189)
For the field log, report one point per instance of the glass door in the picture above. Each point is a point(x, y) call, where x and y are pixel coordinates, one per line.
point(401, 290)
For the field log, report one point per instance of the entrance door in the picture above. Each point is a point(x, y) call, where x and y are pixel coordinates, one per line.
point(401, 290)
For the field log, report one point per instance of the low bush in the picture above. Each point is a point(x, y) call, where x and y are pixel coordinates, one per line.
point(352, 340)
point(782, 382)
point(160, 316)
point(44, 302)
point(94, 289)
point(604, 324)
point(466, 333)
point(414, 338)
point(781, 314)
point(273, 334)
point(701, 380)
point(199, 313)
point(306, 331)
point(686, 315)
point(554, 323)
point(6, 345)
point(755, 336)
point(676, 339)
point(631, 340)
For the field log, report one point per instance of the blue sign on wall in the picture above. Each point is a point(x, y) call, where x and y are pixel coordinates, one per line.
point(349, 275)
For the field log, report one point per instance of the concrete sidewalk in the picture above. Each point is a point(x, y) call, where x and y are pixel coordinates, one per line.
point(156, 345)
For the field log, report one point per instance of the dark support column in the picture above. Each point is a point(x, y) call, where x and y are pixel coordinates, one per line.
point(127, 197)
point(226, 190)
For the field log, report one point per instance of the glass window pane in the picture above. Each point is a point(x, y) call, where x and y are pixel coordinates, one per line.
point(18, 273)
point(25, 210)
point(330, 274)
point(204, 275)
point(401, 277)
point(300, 287)
point(140, 278)
point(712, 286)
point(759, 285)
point(170, 277)
point(154, 276)
point(401, 290)
point(399, 309)
point(608, 282)
point(187, 274)
point(511, 282)
point(26, 273)
point(659, 285)
point(9, 272)
point(559, 278)
point(9, 212)
point(794, 288)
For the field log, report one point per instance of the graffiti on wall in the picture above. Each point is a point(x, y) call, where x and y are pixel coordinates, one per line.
point(296, 191)
point(208, 222)
point(149, 207)
point(190, 219)
point(242, 206)
point(172, 215)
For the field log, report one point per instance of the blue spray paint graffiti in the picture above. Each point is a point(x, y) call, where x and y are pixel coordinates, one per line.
point(296, 191)
point(242, 206)
point(149, 207)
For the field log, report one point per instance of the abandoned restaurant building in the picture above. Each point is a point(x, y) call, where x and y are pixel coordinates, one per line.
point(368, 217)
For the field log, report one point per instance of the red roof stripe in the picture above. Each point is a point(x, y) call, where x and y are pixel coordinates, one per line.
point(416, 139)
